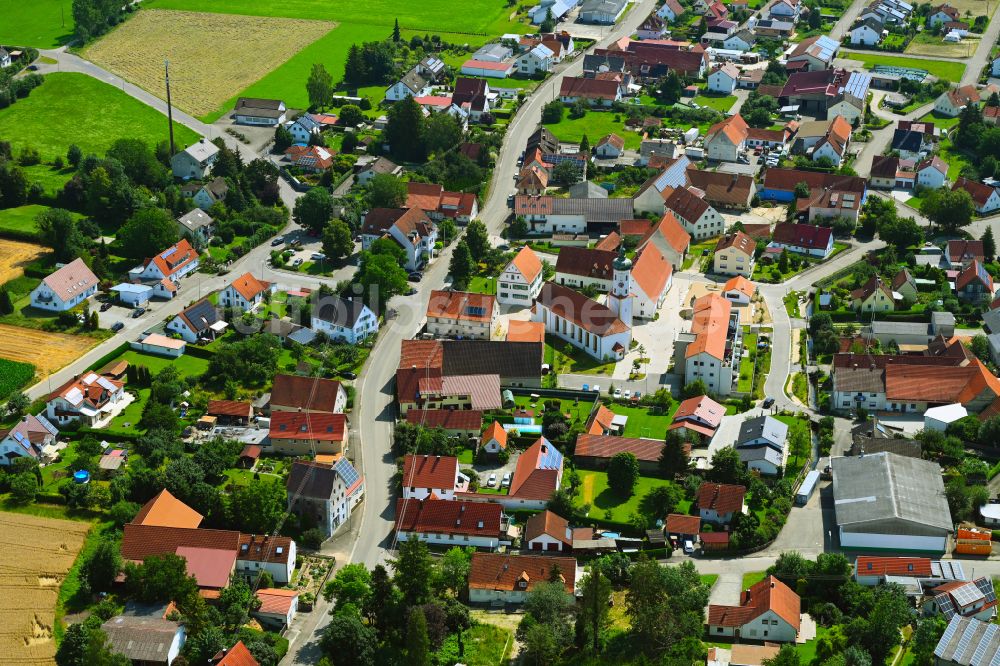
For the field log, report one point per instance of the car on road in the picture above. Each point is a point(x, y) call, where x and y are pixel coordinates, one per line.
point(414, 276)
point(349, 375)
point(768, 403)
point(33, 68)
point(117, 326)
point(506, 480)
point(618, 393)
point(138, 312)
point(277, 241)
point(106, 306)
point(297, 263)
point(596, 388)
point(492, 481)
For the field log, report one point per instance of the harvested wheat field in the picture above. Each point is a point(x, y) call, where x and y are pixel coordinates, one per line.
point(38, 553)
point(46, 351)
point(15, 255)
point(212, 56)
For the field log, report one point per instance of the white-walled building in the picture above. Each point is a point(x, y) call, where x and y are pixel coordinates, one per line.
point(521, 280)
point(327, 494)
point(344, 320)
point(584, 323)
point(425, 475)
point(450, 522)
point(66, 288)
point(245, 292)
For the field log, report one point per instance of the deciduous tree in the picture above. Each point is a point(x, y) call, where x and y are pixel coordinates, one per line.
point(319, 86)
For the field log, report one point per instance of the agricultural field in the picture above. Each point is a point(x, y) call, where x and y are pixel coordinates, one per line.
point(46, 351)
point(15, 255)
point(13, 376)
point(205, 72)
point(101, 114)
point(926, 44)
point(40, 551)
point(44, 24)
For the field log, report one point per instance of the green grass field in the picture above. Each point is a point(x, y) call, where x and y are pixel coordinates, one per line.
point(752, 578)
point(721, 103)
point(44, 24)
point(22, 218)
point(642, 422)
point(188, 366)
point(595, 125)
point(951, 71)
point(74, 108)
point(594, 490)
point(13, 376)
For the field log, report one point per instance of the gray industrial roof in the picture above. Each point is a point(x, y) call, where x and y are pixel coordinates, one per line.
point(969, 642)
point(891, 494)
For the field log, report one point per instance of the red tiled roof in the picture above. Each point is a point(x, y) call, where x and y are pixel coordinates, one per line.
point(979, 192)
point(722, 497)
point(251, 451)
point(305, 425)
point(238, 655)
point(527, 263)
point(673, 232)
point(574, 86)
point(449, 419)
point(497, 432)
point(960, 251)
point(681, 524)
point(740, 284)
point(461, 306)
point(264, 548)
point(229, 408)
point(170, 262)
point(496, 571)
point(870, 565)
point(525, 331)
point(590, 315)
point(165, 510)
point(305, 393)
point(531, 481)
point(211, 567)
point(651, 272)
point(275, 601)
point(702, 408)
point(714, 537)
point(740, 241)
point(787, 179)
point(423, 471)
point(584, 262)
point(808, 236)
point(448, 517)
point(548, 523)
point(710, 325)
point(769, 594)
point(686, 205)
point(141, 541)
point(607, 446)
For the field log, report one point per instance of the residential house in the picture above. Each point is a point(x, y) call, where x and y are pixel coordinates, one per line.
point(326, 494)
point(598, 64)
point(537, 475)
point(559, 215)
point(195, 161)
point(595, 451)
point(437, 476)
point(438, 203)
point(450, 522)
point(256, 111)
point(580, 267)
point(670, 10)
point(472, 95)
point(894, 501)
point(509, 579)
point(238, 655)
point(808, 239)
point(278, 607)
point(679, 528)
point(344, 320)
point(719, 502)
point(66, 288)
point(867, 32)
point(969, 599)
point(304, 128)
point(172, 264)
point(297, 434)
point(311, 159)
point(668, 236)
point(5, 59)
point(411, 228)
point(780, 184)
point(245, 293)
point(533, 181)
point(967, 641)
point(883, 172)
point(455, 422)
point(32, 436)
point(833, 145)
point(734, 255)
point(492, 70)
point(610, 147)
point(207, 195)
point(196, 322)
point(197, 224)
point(952, 101)
point(728, 191)
point(584, 323)
point(652, 193)
point(463, 392)
point(932, 173)
point(86, 399)
point(653, 27)
point(726, 140)
point(761, 444)
point(537, 59)
point(310, 395)
point(768, 610)
point(652, 277)
point(462, 314)
point(521, 280)
point(601, 12)
point(912, 140)
point(904, 284)
point(995, 67)
point(699, 416)
point(412, 84)
point(494, 439)
point(774, 28)
point(974, 283)
point(743, 40)
point(723, 80)
point(708, 350)
point(816, 53)
point(375, 167)
point(961, 253)
point(942, 14)
point(985, 198)
point(145, 638)
point(547, 531)
point(596, 92)
point(230, 412)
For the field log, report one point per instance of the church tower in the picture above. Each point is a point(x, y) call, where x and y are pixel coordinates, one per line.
point(620, 298)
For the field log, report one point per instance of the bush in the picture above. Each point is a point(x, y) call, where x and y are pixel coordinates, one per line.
point(313, 538)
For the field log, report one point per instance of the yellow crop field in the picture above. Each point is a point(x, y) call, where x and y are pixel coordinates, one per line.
point(212, 56)
point(46, 351)
point(15, 255)
point(39, 552)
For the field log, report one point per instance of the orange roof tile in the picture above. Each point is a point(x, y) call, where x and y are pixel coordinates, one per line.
point(872, 565)
point(525, 331)
point(534, 478)
point(496, 571)
point(248, 286)
point(496, 432)
point(769, 594)
point(740, 284)
point(738, 240)
point(600, 420)
point(238, 655)
point(710, 325)
point(276, 601)
point(673, 232)
point(681, 524)
point(721, 497)
point(651, 272)
point(423, 471)
point(527, 263)
point(547, 523)
point(165, 510)
point(461, 306)
point(734, 128)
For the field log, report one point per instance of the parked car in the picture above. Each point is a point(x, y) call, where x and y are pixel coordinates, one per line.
point(138, 312)
point(105, 306)
point(117, 326)
point(506, 480)
point(628, 394)
point(318, 256)
point(277, 241)
point(414, 276)
point(297, 263)
point(349, 375)
point(492, 481)
point(688, 547)
point(596, 388)
point(586, 387)
point(618, 393)
point(768, 402)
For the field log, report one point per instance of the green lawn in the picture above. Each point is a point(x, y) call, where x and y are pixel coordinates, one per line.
point(709, 579)
point(465, 457)
point(485, 645)
point(187, 365)
point(44, 24)
point(746, 364)
point(694, 252)
point(807, 650)
point(100, 114)
point(951, 71)
point(955, 158)
point(752, 578)
point(595, 124)
point(128, 420)
point(721, 103)
point(576, 411)
point(482, 285)
point(594, 491)
point(643, 422)
point(563, 358)
point(940, 120)
point(22, 218)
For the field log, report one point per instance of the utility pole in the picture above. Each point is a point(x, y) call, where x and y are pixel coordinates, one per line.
point(170, 112)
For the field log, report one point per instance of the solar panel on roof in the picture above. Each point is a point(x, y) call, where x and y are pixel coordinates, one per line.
point(965, 640)
point(984, 644)
point(347, 472)
point(949, 633)
point(944, 603)
point(169, 252)
point(967, 594)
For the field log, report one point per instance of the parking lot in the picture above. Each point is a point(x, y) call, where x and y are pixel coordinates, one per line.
point(485, 470)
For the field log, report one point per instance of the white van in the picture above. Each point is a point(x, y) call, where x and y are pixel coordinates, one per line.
point(688, 547)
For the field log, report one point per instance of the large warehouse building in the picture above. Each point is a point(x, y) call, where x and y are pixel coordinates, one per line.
point(892, 502)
